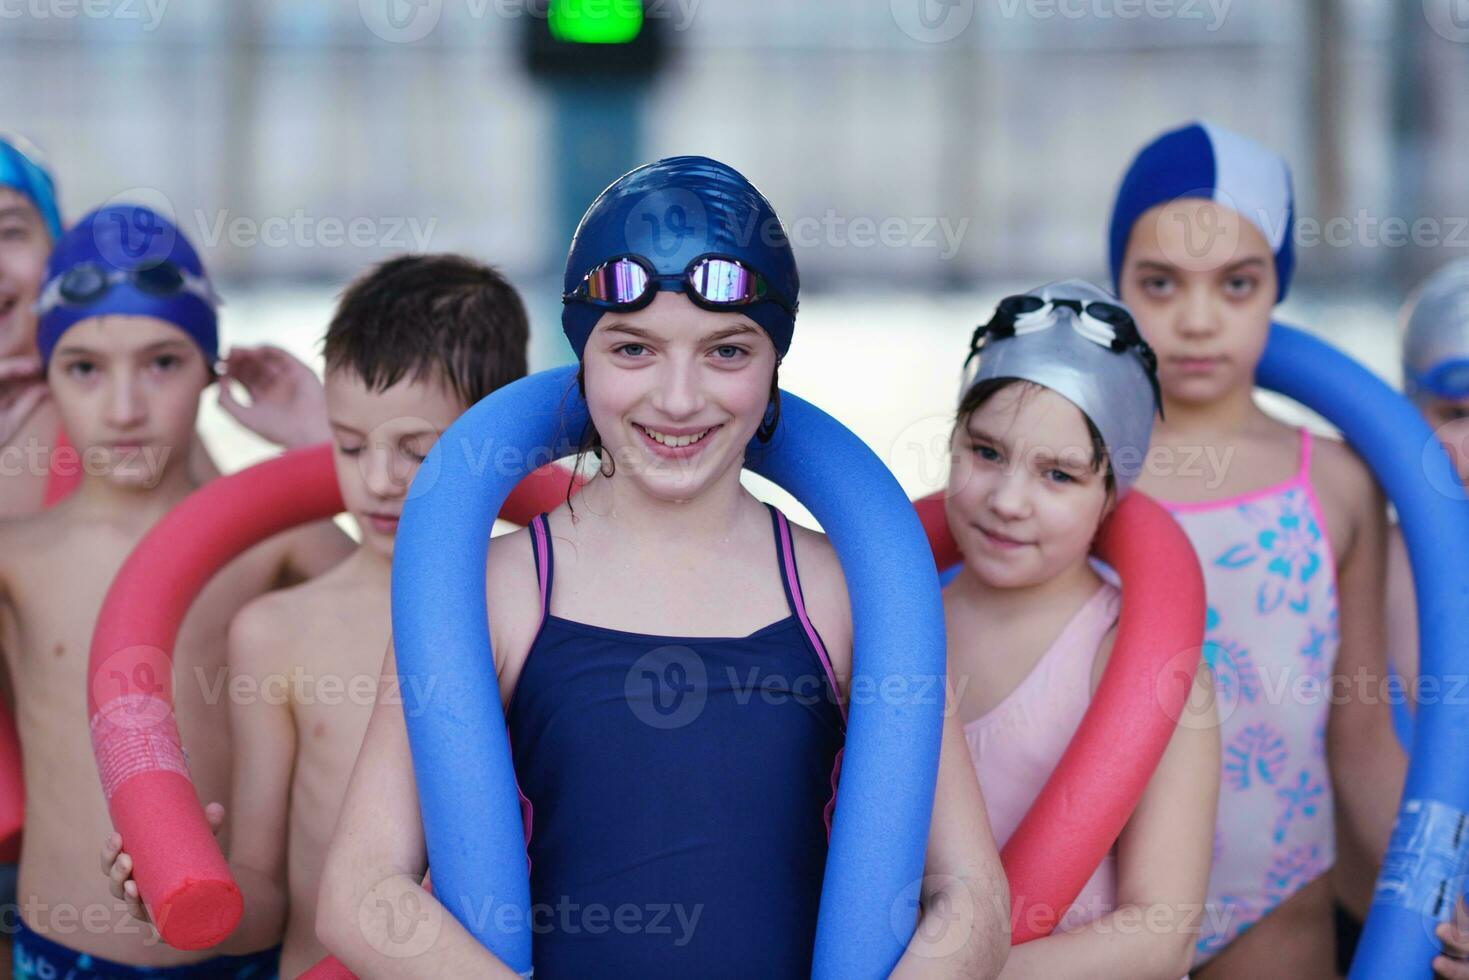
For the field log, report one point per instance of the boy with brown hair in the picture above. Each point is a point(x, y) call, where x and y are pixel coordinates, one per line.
point(412, 345)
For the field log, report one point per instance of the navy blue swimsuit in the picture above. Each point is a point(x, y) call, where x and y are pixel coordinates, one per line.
point(678, 792)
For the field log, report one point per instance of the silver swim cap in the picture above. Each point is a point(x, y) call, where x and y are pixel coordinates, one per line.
point(1436, 335)
point(1081, 342)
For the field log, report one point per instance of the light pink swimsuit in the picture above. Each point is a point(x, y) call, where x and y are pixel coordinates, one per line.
point(1271, 642)
point(1017, 743)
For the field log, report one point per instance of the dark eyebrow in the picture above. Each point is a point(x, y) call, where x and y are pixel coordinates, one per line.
point(1239, 266)
point(172, 343)
point(979, 436)
point(736, 330)
point(1153, 265)
point(14, 211)
point(343, 426)
point(169, 344)
point(630, 330)
point(1050, 460)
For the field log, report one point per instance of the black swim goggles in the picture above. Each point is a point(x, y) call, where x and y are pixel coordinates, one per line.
point(87, 282)
point(1108, 325)
point(714, 282)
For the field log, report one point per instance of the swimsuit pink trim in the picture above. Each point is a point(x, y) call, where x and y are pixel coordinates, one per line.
point(1301, 475)
point(1301, 479)
point(527, 808)
point(538, 528)
point(831, 803)
point(790, 565)
point(789, 558)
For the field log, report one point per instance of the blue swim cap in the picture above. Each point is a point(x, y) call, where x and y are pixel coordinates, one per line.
point(672, 212)
point(21, 171)
point(1206, 161)
point(117, 241)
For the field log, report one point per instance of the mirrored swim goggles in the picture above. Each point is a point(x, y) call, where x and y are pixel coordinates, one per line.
point(1448, 378)
point(1108, 325)
point(714, 282)
point(87, 282)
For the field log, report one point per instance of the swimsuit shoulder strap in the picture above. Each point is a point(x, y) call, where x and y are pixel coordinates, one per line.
point(540, 542)
point(790, 578)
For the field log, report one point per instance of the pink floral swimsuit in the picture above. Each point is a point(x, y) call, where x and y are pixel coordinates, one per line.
point(1271, 642)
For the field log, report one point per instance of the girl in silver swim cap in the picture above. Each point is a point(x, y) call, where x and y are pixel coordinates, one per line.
point(1435, 324)
point(1435, 361)
point(1052, 429)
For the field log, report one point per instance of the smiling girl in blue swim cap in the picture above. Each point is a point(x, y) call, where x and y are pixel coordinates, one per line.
point(674, 655)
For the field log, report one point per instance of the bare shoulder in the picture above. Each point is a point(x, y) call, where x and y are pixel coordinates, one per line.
point(1338, 469)
point(510, 567)
point(513, 596)
point(31, 530)
point(1347, 489)
point(1399, 568)
point(819, 565)
point(313, 548)
point(265, 629)
point(24, 539)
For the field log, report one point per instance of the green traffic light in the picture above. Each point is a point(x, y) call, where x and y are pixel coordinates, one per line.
point(595, 21)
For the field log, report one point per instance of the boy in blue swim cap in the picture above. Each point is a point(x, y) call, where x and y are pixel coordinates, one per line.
point(128, 331)
point(38, 466)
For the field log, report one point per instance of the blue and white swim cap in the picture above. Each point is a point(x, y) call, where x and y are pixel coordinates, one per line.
point(1205, 161)
point(22, 171)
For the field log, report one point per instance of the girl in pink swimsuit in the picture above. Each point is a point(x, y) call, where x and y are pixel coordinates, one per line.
point(1290, 532)
point(1063, 397)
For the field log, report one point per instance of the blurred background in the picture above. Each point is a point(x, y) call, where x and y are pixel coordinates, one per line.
point(925, 155)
